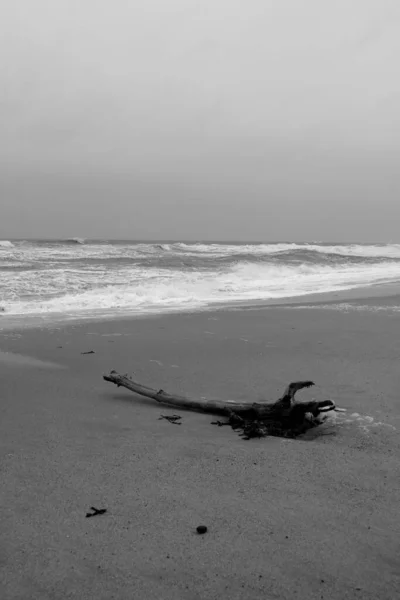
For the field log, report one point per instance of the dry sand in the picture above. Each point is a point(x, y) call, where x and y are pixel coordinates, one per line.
point(308, 518)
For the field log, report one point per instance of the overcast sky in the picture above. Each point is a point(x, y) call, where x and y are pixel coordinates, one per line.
point(211, 119)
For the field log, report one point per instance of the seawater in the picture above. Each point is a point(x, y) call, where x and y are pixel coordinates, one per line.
point(81, 278)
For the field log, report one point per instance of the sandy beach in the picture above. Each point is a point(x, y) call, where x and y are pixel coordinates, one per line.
point(199, 201)
point(311, 518)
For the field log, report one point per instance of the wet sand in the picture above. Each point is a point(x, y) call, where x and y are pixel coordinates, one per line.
point(308, 518)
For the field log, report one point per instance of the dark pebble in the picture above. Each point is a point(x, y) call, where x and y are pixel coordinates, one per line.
point(201, 529)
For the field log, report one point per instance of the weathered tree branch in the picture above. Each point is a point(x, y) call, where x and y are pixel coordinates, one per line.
point(285, 417)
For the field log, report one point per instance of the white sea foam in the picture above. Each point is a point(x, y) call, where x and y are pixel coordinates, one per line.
point(364, 422)
point(70, 278)
point(80, 248)
point(147, 289)
point(357, 307)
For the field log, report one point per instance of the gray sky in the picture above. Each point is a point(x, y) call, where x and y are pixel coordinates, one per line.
point(211, 119)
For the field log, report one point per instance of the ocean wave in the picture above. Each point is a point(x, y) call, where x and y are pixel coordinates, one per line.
point(15, 265)
point(147, 289)
point(75, 240)
point(222, 249)
point(54, 241)
point(48, 277)
point(6, 244)
point(359, 250)
point(78, 249)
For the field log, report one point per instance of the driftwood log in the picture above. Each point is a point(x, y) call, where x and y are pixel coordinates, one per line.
point(284, 418)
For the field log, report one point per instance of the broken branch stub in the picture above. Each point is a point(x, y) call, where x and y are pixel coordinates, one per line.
point(284, 418)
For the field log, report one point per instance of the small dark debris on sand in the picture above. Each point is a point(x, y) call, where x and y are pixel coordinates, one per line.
point(172, 419)
point(201, 529)
point(90, 352)
point(96, 511)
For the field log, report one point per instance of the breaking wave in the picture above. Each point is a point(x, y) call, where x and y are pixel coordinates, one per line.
point(360, 250)
point(85, 277)
point(142, 290)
